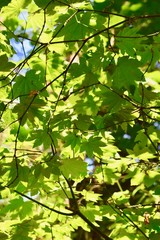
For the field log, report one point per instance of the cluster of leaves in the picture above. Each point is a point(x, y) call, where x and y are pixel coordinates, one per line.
point(79, 119)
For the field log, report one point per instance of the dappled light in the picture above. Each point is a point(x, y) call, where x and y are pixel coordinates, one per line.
point(79, 120)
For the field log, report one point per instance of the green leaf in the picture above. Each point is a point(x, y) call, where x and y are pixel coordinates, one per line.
point(91, 212)
point(4, 3)
point(27, 84)
point(112, 101)
point(126, 73)
point(5, 65)
point(74, 168)
point(26, 210)
point(79, 119)
point(77, 26)
point(15, 204)
point(43, 5)
point(23, 132)
point(90, 195)
point(138, 178)
point(110, 175)
point(83, 122)
point(72, 140)
point(121, 197)
point(41, 137)
point(93, 145)
point(13, 9)
point(129, 41)
point(151, 177)
point(33, 113)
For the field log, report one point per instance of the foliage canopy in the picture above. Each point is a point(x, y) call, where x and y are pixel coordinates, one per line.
point(79, 119)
